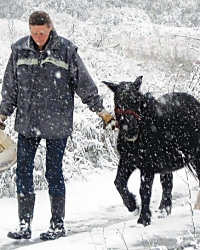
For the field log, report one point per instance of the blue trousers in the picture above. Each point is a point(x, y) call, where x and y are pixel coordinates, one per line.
point(26, 150)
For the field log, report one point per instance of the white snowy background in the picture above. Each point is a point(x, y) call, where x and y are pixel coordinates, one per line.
point(117, 40)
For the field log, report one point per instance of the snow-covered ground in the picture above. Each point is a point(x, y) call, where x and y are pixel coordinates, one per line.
point(96, 219)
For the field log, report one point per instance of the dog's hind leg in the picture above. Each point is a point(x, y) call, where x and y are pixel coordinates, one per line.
point(166, 180)
point(121, 181)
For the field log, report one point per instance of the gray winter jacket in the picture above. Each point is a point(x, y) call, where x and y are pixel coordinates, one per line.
point(40, 85)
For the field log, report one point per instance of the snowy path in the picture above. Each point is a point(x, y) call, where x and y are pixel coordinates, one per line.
point(96, 218)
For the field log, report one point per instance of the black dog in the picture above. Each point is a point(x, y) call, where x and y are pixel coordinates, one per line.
point(155, 136)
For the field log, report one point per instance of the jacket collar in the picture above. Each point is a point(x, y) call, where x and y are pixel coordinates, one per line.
point(53, 42)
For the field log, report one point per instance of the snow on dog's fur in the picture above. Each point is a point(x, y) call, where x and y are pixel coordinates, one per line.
point(155, 136)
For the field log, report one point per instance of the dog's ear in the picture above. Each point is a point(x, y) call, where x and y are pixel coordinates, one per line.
point(112, 86)
point(137, 83)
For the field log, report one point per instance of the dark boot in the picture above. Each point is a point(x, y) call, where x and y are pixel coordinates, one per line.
point(56, 229)
point(25, 211)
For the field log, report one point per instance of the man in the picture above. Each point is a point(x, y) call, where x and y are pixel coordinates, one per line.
point(43, 73)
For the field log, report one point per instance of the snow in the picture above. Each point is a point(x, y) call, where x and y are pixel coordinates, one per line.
point(97, 219)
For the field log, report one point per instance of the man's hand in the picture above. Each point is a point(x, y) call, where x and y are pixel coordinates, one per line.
point(2, 119)
point(107, 118)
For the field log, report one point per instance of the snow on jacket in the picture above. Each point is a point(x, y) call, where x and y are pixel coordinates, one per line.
point(40, 85)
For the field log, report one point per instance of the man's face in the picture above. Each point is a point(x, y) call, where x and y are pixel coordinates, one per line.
point(40, 34)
